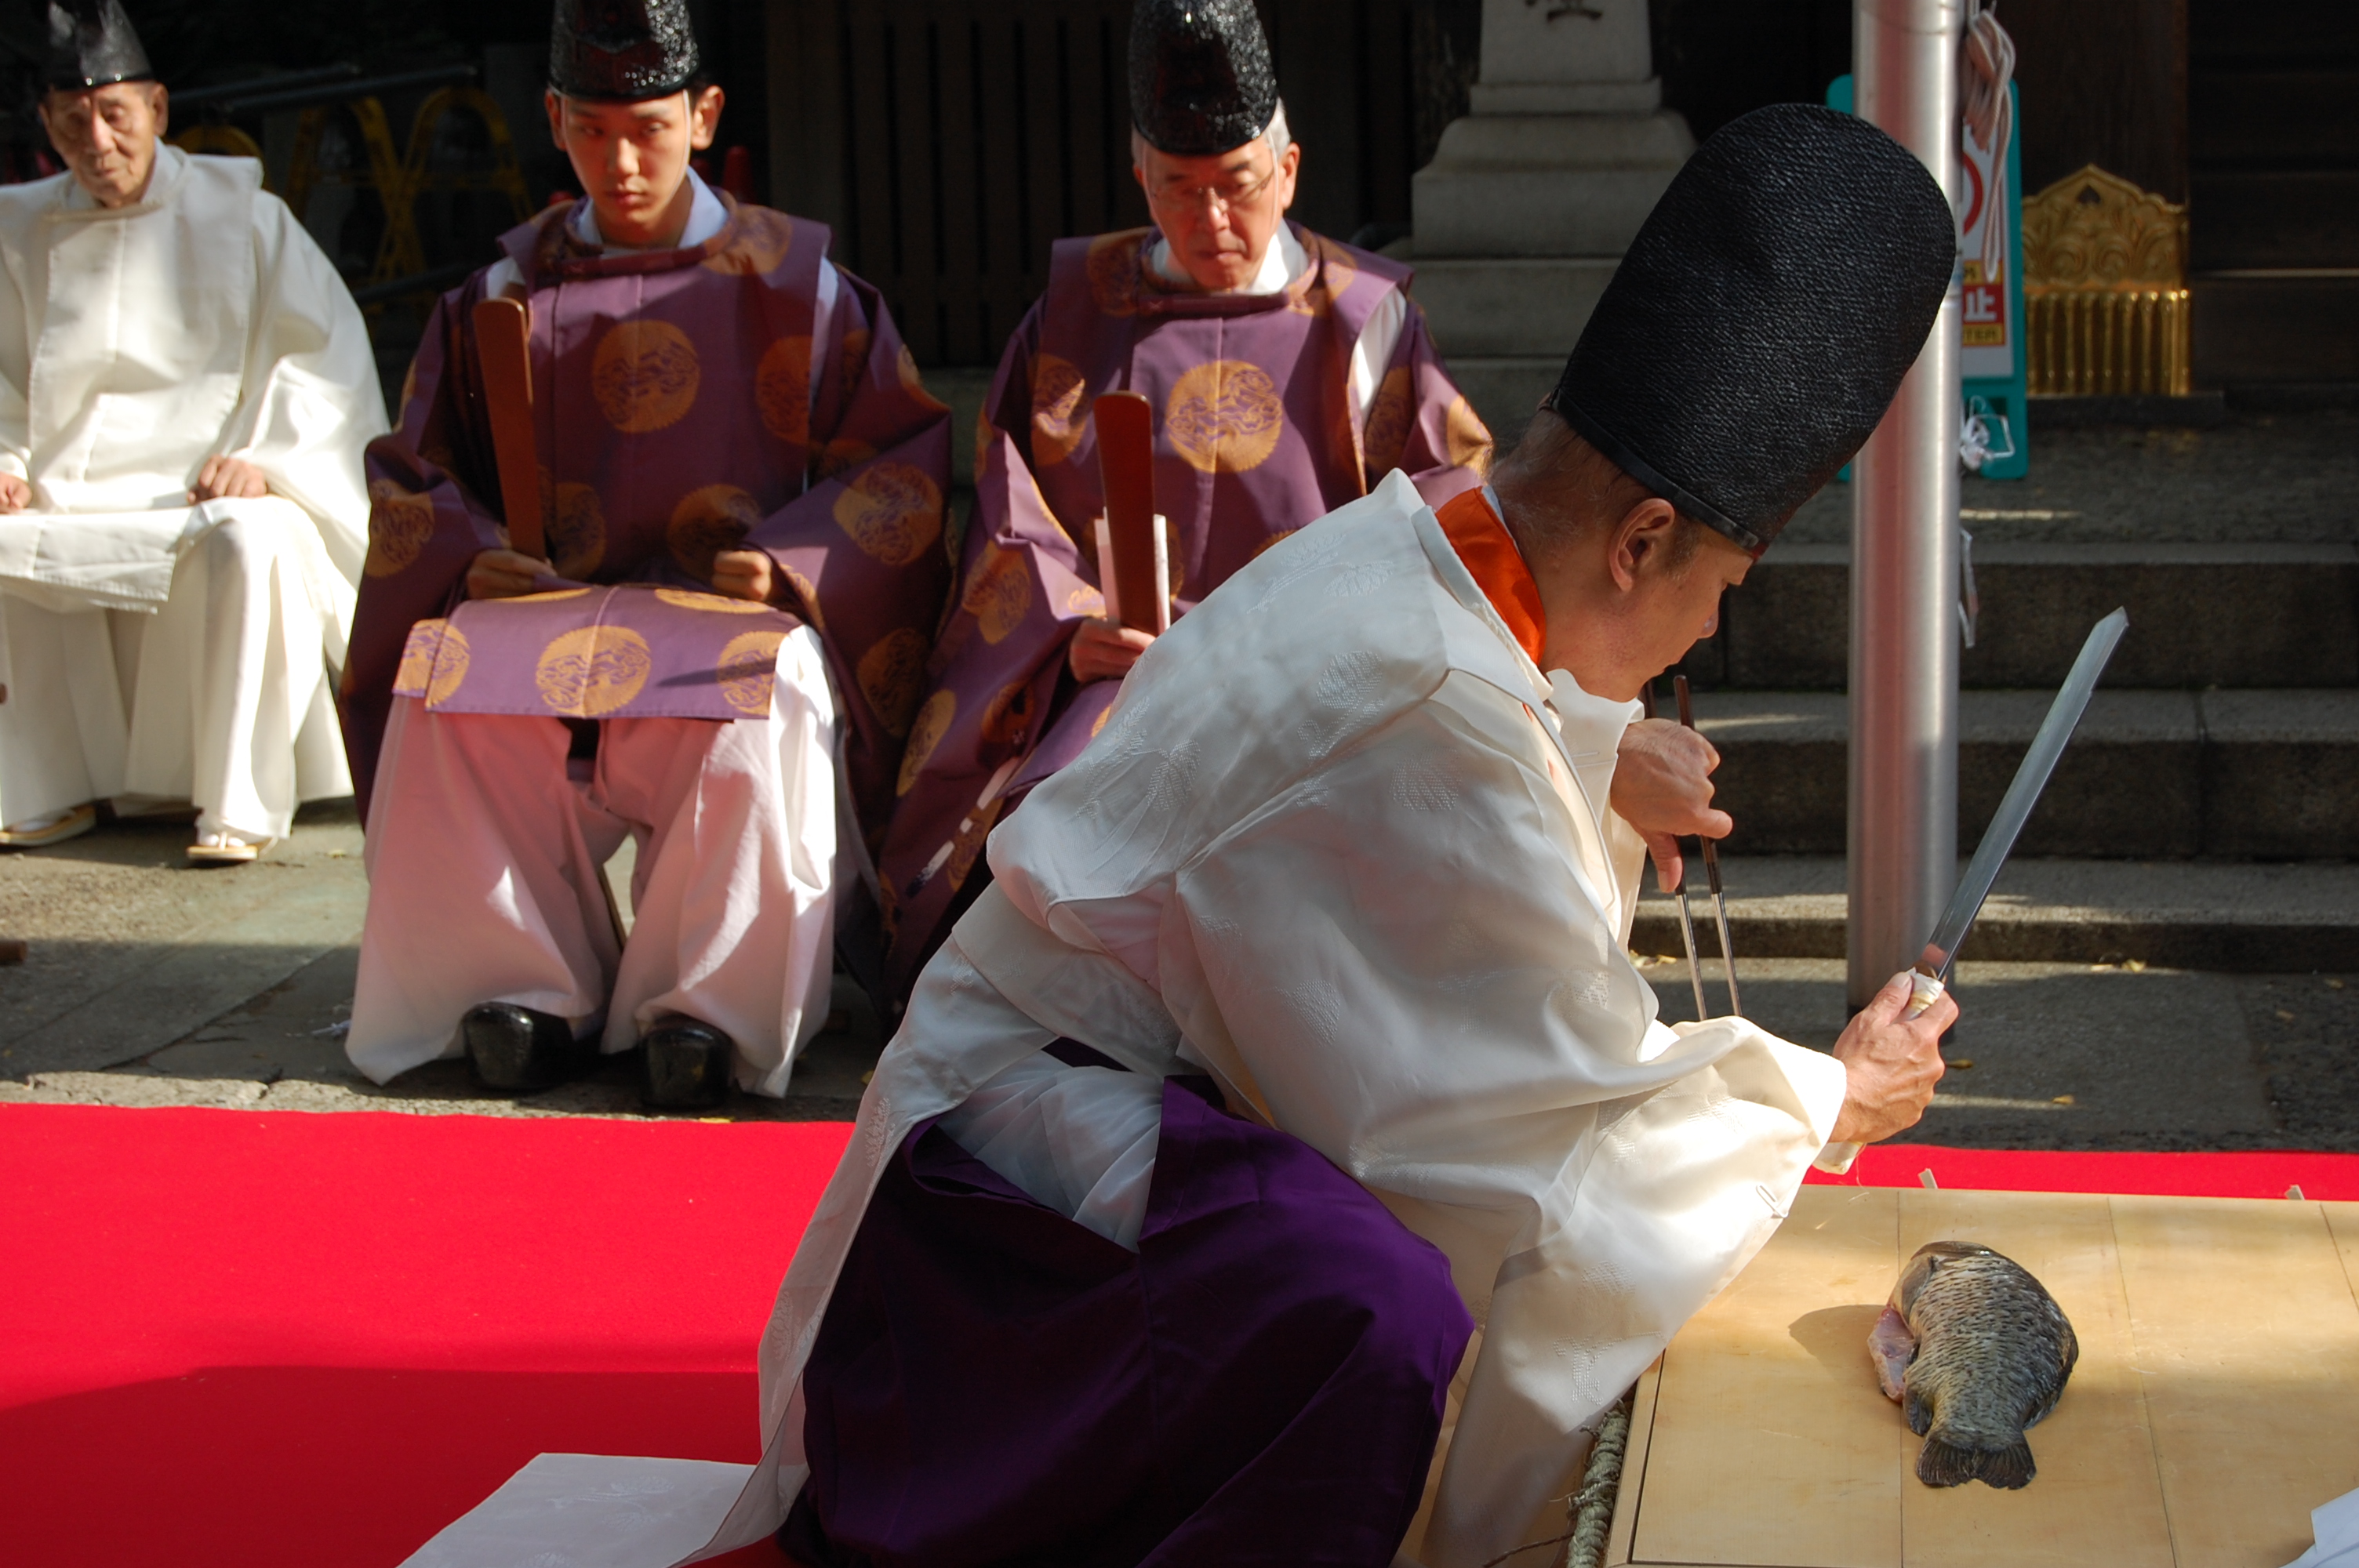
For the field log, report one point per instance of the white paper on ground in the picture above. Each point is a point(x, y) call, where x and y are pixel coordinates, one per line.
point(590, 1510)
point(2334, 1532)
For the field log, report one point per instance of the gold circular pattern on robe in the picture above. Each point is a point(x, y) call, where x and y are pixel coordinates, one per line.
point(1223, 416)
point(893, 511)
point(1388, 423)
point(1084, 601)
point(1324, 284)
point(933, 721)
point(1113, 267)
point(551, 596)
point(998, 592)
point(913, 384)
point(808, 591)
point(984, 433)
point(400, 523)
point(1464, 433)
point(707, 520)
point(711, 603)
point(645, 375)
point(1279, 537)
point(592, 671)
point(575, 525)
point(762, 239)
point(1008, 718)
point(1103, 714)
point(892, 676)
point(433, 660)
point(1061, 414)
point(749, 668)
point(782, 390)
point(852, 361)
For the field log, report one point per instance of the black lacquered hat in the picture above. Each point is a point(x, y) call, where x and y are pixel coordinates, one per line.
point(622, 51)
point(93, 44)
point(1764, 318)
point(1200, 81)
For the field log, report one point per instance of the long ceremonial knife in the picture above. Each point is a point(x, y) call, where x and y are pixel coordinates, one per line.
point(1125, 434)
point(503, 328)
point(1930, 975)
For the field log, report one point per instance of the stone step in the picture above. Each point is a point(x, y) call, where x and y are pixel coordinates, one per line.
point(1505, 388)
point(2165, 776)
point(1545, 185)
point(1509, 305)
point(2246, 919)
point(2260, 615)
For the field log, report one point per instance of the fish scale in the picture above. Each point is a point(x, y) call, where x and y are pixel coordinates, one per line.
point(1986, 1353)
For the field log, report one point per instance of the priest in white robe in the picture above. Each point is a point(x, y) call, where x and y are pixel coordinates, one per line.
point(1283, 1163)
point(185, 391)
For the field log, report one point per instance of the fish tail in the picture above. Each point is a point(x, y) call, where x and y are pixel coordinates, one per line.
point(1941, 1464)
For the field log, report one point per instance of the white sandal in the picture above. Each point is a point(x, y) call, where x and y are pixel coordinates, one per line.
point(55, 827)
point(222, 847)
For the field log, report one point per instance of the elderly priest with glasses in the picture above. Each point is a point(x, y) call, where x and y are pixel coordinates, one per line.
point(185, 391)
point(1288, 372)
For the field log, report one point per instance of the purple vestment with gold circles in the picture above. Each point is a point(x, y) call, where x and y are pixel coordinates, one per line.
point(676, 415)
point(1256, 436)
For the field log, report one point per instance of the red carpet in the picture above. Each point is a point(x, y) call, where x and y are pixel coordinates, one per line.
point(2255, 1175)
point(230, 1337)
point(258, 1339)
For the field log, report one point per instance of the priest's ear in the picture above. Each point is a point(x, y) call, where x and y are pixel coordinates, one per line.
point(1650, 540)
point(704, 114)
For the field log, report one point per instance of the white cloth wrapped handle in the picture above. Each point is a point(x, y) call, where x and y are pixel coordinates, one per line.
point(1924, 990)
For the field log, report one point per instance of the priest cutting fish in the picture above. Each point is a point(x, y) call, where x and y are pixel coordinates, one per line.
point(1282, 1161)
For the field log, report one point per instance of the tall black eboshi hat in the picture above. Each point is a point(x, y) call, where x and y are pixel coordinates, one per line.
point(621, 50)
point(1762, 321)
point(93, 44)
point(1201, 82)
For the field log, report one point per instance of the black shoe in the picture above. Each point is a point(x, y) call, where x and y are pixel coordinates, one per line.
point(513, 1047)
point(687, 1065)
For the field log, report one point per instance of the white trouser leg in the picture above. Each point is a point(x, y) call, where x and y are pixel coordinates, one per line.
point(231, 672)
point(482, 860)
point(734, 893)
point(61, 730)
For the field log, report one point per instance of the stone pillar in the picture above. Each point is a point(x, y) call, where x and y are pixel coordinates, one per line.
point(1531, 200)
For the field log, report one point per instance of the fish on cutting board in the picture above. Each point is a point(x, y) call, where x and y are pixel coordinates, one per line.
point(1975, 1351)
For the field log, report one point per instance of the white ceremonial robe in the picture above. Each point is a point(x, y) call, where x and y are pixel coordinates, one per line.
point(157, 649)
point(1346, 849)
point(491, 891)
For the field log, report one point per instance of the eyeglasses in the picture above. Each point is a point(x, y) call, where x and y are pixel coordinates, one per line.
point(1224, 198)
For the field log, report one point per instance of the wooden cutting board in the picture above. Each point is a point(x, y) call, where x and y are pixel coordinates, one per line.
point(2216, 1401)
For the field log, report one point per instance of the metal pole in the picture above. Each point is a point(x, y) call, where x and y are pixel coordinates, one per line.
point(1903, 540)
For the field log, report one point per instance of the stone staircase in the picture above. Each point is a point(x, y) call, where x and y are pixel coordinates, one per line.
point(2204, 817)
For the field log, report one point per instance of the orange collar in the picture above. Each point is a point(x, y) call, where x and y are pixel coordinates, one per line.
point(1483, 544)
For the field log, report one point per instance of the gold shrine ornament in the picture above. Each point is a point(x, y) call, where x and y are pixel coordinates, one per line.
point(2104, 288)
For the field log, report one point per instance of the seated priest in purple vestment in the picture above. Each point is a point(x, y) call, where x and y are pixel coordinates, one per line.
point(741, 485)
point(1289, 374)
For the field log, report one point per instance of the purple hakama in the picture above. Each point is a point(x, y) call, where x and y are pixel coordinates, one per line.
point(1261, 1382)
